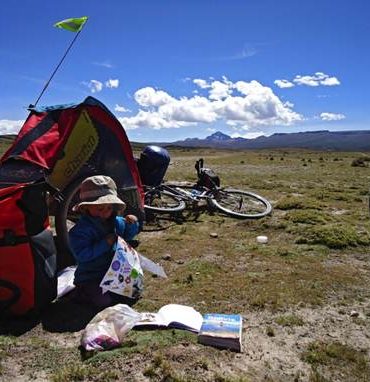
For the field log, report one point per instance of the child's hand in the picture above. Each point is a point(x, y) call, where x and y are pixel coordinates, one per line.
point(131, 219)
point(111, 238)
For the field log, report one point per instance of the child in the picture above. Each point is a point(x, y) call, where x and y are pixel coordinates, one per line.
point(93, 238)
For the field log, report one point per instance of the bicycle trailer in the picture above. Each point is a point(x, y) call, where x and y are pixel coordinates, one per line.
point(64, 144)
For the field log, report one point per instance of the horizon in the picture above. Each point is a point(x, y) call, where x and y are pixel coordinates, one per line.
point(218, 131)
point(173, 71)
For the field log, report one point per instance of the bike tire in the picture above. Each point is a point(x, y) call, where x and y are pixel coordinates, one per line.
point(163, 202)
point(241, 204)
point(64, 214)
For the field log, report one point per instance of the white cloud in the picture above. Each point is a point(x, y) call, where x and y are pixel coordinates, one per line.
point(330, 81)
point(95, 86)
point(289, 104)
point(112, 83)
point(150, 97)
point(252, 105)
point(245, 53)
point(306, 80)
point(259, 106)
point(283, 84)
point(120, 109)
point(194, 110)
point(317, 79)
point(203, 84)
point(105, 64)
point(232, 123)
point(220, 90)
point(149, 119)
point(332, 116)
point(250, 135)
point(8, 126)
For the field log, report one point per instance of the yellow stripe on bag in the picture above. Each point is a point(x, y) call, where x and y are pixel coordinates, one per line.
point(80, 146)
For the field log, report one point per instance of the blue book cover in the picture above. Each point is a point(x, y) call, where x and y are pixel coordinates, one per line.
point(222, 330)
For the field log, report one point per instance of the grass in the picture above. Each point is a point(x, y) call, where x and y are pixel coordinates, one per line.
point(316, 256)
point(74, 372)
point(289, 320)
point(5, 343)
point(297, 203)
point(142, 341)
point(339, 359)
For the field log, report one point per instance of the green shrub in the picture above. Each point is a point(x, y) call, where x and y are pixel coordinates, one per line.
point(296, 203)
point(344, 357)
point(289, 320)
point(333, 236)
point(306, 217)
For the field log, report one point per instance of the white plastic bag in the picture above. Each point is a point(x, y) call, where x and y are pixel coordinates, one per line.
point(125, 275)
point(109, 327)
point(65, 280)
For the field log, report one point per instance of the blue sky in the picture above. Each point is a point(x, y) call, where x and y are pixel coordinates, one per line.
point(172, 69)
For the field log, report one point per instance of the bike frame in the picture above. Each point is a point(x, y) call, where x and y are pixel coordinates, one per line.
point(185, 195)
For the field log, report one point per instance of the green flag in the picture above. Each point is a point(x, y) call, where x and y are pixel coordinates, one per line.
point(72, 25)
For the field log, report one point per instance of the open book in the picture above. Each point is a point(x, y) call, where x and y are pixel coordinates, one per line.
point(172, 316)
point(222, 330)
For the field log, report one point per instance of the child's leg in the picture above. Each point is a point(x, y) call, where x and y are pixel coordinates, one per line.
point(118, 299)
point(91, 293)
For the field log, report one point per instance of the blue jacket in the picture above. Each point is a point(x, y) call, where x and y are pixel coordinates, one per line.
point(92, 252)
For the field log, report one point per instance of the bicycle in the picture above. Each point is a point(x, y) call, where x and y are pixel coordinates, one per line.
point(173, 198)
point(168, 198)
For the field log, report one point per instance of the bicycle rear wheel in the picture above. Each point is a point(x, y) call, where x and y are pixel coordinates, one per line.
point(161, 201)
point(65, 218)
point(241, 204)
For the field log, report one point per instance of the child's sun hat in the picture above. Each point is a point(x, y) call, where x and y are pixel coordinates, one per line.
point(99, 189)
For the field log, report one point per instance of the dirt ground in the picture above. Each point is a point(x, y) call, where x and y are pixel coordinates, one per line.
point(271, 356)
point(272, 350)
point(304, 296)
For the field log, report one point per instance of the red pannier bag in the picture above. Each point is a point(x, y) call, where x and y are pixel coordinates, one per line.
point(28, 279)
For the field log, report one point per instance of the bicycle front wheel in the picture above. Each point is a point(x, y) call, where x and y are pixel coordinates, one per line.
point(163, 202)
point(241, 204)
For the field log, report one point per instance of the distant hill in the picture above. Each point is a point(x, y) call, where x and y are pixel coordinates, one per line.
point(356, 140)
point(9, 138)
point(351, 140)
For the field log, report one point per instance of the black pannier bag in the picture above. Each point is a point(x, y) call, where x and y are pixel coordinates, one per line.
point(206, 176)
point(153, 164)
point(28, 279)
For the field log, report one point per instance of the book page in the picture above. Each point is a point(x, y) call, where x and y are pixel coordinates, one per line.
point(151, 319)
point(175, 316)
point(181, 316)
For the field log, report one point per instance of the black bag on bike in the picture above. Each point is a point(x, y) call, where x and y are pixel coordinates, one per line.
point(28, 277)
point(208, 178)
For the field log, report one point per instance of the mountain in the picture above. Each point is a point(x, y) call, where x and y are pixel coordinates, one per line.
point(352, 140)
point(218, 137)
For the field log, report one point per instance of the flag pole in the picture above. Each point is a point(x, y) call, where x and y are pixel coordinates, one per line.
point(56, 69)
point(73, 25)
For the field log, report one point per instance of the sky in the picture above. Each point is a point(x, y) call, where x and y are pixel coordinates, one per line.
point(176, 69)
